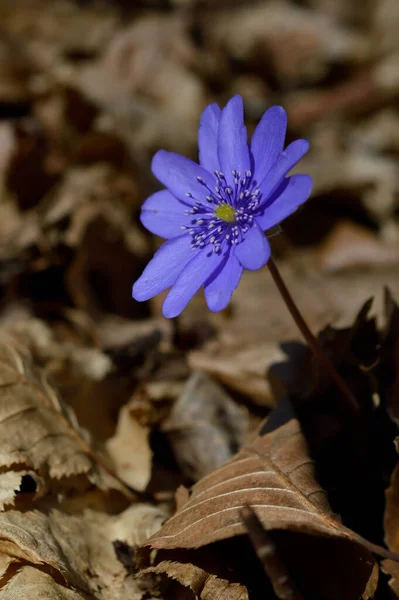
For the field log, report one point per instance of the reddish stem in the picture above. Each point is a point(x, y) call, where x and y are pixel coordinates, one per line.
point(311, 340)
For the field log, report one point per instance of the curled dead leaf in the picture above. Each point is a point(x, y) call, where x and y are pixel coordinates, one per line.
point(203, 584)
point(130, 450)
point(31, 584)
point(349, 246)
point(40, 434)
point(275, 476)
point(76, 550)
point(205, 426)
point(391, 527)
point(17, 482)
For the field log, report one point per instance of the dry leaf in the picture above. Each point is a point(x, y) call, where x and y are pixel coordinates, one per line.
point(242, 370)
point(55, 354)
point(250, 335)
point(30, 583)
point(204, 585)
point(86, 193)
point(78, 548)
point(391, 527)
point(205, 426)
point(38, 433)
point(278, 477)
point(81, 372)
point(130, 450)
point(150, 59)
point(50, 30)
point(20, 482)
point(275, 476)
point(92, 280)
point(349, 246)
point(311, 38)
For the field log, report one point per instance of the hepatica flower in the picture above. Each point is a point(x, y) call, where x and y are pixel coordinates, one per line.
point(214, 214)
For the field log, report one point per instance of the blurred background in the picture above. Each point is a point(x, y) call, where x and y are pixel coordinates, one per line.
point(89, 90)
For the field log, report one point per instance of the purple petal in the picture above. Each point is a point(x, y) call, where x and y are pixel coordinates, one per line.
point(179, 174)
point(254, 251)
point(286, 161)
point(222, 283)
point(198, 270)
point(295, 193)
point(165, 267)
point(267, 141)
point(233, 149)
point(208, 137)
point(163, 215)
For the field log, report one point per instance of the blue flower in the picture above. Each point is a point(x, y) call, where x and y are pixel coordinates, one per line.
point(214, 214)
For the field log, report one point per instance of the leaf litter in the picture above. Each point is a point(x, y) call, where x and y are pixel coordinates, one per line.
point(113, 420)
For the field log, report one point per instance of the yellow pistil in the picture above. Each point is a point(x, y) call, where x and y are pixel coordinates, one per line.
point(225, 212)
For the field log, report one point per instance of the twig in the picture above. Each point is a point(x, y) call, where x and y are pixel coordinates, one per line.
point(266, 550)
point(312, 341)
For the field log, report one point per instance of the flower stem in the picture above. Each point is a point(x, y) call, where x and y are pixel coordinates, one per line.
point(311, 340)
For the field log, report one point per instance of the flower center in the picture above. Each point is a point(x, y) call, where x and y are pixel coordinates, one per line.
point(225, 212)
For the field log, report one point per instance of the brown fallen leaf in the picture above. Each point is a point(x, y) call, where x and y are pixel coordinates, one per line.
point(391, 525)
point(49, 35)
point(40, 434)
point(86, 193)
point(204, 427)
point(275, 476)
point(243, 370)
point(15, 69)
point(152, 59)
point(18, 482)
point(91, 279)
point(301, 41)
point(349, 245)
point(205, 585)
point(31, 584)
point(278, 477)
point(77, 551)
point(250, 335)
point(68, 355)
point(130, 450)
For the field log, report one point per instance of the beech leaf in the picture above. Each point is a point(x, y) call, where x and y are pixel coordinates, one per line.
point(76, 550)
point(391, 526)
point(205, 586)
point(275, 477)
point(31, 584)
point(40, 436)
